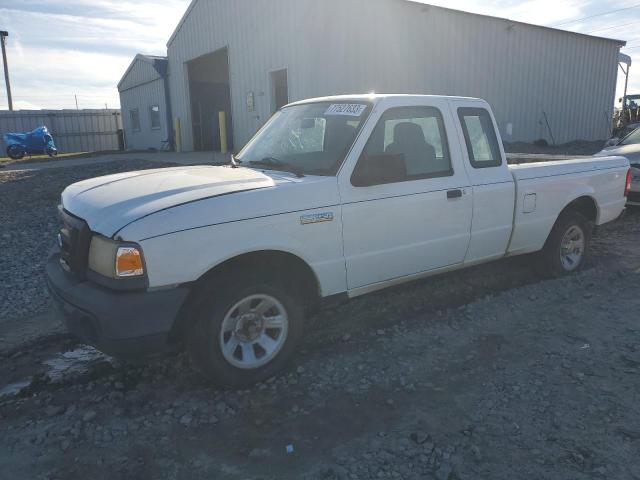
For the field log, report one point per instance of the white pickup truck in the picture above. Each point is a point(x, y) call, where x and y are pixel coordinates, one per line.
point(333, 198)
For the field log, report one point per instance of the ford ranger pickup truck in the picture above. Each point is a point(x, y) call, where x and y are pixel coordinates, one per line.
point(333, 198)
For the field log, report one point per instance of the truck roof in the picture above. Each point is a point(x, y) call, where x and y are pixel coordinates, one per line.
point(373, 97)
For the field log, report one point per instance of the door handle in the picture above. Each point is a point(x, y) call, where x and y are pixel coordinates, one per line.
point(457, 193)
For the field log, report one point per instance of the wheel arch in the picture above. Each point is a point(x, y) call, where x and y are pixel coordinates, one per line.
point(274, 264)
point(586, 205)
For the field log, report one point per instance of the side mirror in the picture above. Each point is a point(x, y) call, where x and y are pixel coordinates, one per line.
point(612, 142)
point(379, 170)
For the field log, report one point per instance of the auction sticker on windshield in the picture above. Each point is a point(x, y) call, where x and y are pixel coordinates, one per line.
point(350, 109)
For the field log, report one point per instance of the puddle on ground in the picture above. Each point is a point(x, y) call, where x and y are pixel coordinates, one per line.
point(15, 388)
point(62, 367)
point(74, 362)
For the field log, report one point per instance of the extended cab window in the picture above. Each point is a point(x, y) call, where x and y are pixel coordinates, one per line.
point(408, 143)
point(480, 137)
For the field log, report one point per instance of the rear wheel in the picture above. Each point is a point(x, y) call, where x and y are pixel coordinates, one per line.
point(567, 246)
point(244, 332)
point(15, 152)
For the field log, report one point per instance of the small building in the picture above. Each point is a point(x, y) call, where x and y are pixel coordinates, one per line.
point(146, 116)
point(249, 57)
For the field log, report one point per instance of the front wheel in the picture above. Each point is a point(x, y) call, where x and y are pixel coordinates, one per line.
point(567, 246)
point(15, 152)
point(244, 333)
point(52, 152)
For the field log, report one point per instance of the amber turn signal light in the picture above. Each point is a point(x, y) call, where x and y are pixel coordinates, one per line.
point(129, 262)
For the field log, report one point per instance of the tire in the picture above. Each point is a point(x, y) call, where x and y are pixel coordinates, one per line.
point(15, 152)
point(220, 307)
point(567, 247)
point(52, 152)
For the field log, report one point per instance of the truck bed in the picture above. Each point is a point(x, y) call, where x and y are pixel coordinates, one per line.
point(527, 171)
point(520, 158)
point(542, 188)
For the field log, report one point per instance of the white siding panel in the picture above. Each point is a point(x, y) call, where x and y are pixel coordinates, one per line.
point(394, 46)
point(143, 97)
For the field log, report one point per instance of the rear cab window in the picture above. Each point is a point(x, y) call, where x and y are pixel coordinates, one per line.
point(480, 137)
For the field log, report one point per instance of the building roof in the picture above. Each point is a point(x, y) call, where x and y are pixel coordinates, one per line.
point(157, 62)
point(622, 43)
point(419, 3)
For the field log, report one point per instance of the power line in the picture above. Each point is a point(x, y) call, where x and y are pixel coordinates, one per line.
point(596, 15)
point(633, 42)
point(611, 27)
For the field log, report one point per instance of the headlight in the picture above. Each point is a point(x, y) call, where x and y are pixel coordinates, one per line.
point(114, 259)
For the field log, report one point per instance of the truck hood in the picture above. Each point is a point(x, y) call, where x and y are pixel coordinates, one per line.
point(110, 203)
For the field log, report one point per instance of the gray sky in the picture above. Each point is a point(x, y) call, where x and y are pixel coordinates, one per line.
point(58, 49)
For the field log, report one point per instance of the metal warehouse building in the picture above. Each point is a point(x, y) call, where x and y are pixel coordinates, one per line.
point(143, 99)
point(248, 57)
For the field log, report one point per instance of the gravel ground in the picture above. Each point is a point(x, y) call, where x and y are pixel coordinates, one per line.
point(28, 228)
point(487, 373)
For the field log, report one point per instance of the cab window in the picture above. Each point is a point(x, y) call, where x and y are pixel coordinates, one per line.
point(480, 137)
point(408, 143)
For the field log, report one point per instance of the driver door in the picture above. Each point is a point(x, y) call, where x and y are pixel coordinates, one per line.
point(415, 216)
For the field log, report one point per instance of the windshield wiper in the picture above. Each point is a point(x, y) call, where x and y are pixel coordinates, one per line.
point(277, 164)
point(233, 163)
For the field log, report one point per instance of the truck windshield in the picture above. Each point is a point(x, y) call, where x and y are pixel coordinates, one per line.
point(632, 139)
point(310, 139)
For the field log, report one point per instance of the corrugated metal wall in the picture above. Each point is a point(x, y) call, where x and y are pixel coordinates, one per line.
point(395, 46)
point(141, 72)
point(143, 98)
point(140, 89)
point(72, 130)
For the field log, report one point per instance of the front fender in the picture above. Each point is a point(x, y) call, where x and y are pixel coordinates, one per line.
point(186, 256)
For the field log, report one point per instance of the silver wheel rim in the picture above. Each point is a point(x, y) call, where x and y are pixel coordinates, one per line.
point(572, 248)
point(254, 331)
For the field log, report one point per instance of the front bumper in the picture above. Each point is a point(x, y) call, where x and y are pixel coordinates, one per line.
point(122, 324)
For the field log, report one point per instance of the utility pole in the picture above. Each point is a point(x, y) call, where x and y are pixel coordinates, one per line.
point(626, 60)
point(76, 97)
point(3, 35)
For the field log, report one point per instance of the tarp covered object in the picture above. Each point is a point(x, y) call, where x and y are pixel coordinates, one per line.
point(38, 140)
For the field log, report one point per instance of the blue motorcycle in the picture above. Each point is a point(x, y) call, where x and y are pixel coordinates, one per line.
point(36, 142)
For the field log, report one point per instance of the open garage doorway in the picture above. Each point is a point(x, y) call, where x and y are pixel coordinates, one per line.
point(210, 93)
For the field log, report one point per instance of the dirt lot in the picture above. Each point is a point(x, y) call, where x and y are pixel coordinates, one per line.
point(487, 373)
